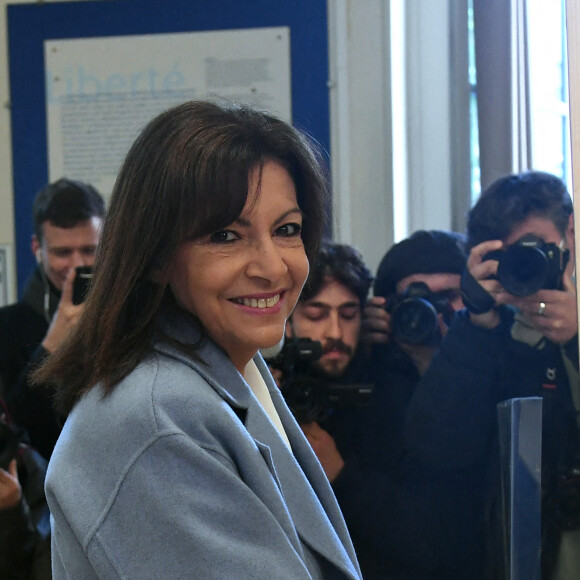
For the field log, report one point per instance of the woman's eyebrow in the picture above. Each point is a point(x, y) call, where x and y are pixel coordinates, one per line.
point(245, 222)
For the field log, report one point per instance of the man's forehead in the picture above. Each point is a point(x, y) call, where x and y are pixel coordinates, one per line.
point(437, 281)
point(333, 294)
point(85, 232)
point(540, 226)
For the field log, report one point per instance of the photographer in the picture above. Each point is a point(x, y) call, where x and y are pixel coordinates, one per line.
point(24, 515)
point(67, 225)
point(517, 338)
point(329, 311)
point(399, 511)
point(416, 294)
point(360, 446)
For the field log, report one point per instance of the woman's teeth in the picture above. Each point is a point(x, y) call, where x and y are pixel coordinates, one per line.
point(259, 302)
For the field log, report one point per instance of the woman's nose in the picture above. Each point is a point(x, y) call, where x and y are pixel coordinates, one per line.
point(267, 261)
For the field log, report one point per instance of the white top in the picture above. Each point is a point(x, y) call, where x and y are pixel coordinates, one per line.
point(256, 382)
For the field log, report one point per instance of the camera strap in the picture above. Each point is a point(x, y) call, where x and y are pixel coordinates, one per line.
point(475, 297)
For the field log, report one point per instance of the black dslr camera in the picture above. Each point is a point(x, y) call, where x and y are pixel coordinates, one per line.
point(529, 265)
point(310, 397)
point(414, 314)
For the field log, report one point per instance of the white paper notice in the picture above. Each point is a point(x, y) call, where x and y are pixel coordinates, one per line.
point(100, 92)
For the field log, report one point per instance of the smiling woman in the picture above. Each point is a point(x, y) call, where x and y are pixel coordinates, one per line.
point(179, 457)
point(253, 271)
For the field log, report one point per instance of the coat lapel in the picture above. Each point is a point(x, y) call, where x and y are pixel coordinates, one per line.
point(307, 493)
point(307, 490)
point(304, 487)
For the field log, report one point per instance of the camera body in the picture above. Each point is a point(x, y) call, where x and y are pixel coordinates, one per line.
point(81, 284)
point(414, 314)
point(530, 264)
point(309, 396)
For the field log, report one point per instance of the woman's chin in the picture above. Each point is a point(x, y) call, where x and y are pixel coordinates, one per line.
point(272, 350)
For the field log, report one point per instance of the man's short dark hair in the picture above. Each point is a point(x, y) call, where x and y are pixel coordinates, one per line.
point(65, 203)
point(342, 263)
point(424, 252)
point(512, 199)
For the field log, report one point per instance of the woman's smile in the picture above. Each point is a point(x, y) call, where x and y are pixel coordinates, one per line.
point(259, 302)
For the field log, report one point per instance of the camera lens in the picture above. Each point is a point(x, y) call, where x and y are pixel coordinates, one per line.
point(414, 321)
point(522, 270)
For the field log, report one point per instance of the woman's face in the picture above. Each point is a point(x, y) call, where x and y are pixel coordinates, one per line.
point(243, 282)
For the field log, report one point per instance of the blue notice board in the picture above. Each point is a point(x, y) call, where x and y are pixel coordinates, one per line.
point(29, 25)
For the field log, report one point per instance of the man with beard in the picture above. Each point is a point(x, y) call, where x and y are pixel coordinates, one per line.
point(330, 312)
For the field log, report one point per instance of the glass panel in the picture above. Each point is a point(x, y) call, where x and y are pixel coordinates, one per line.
point(520, 438)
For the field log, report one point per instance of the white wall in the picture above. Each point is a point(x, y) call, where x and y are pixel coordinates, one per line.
point(394, 119)
point(360, 100)
point(6, 206)
point(7, 233)
point(383, 133)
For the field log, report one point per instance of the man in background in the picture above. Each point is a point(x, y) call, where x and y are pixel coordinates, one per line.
point(68, 216)
point(329, 311)
point(399, 525)
point(360, 445)
point(517, 338)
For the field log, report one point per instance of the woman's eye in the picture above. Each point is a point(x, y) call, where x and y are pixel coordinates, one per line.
point(223, 237)
point(289, 230)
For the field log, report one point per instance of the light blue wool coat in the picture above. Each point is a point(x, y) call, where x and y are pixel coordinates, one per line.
point(179, 473)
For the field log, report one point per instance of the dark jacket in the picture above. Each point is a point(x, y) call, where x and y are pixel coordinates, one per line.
point(25, 528)
point(452, 419)
point(401, 514)
point(22, 328)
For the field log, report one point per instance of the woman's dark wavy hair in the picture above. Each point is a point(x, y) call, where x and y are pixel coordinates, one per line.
point(512, 199)
point(342, 263)
point(185, 176)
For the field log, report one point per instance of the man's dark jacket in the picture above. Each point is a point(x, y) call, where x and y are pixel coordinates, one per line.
point(22, 328)
point(401, 515)
point(452, 418)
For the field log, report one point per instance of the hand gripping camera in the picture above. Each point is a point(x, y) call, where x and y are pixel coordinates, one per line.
point(414, 314)
point(529, 265)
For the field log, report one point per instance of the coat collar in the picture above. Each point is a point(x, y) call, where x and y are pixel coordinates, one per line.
point(307, 493)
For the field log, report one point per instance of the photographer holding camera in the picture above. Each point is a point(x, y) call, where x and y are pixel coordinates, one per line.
point(398, 510)
point(517, 338)
point(360, 446)
point(322, 373)
point(67, 225)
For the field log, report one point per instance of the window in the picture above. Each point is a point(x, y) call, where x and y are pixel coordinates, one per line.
point(547, 91)
point(549, 111)
point(473, 121)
